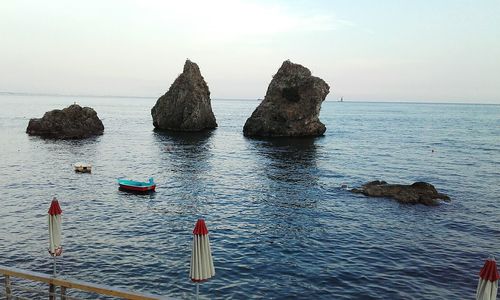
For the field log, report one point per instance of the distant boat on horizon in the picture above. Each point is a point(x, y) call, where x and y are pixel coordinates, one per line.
point(341, 99)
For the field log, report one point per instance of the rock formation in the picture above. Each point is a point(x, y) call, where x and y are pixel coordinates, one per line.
point(417, 193)
point(186, 106)
point(72, 122)
point(291, 105)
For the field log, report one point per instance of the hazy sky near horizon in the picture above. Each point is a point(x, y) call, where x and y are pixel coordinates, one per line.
point(388, 50)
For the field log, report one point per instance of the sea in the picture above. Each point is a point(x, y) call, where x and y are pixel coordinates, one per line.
point(282, 222)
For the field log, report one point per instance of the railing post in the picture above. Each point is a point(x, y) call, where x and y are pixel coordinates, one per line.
point(52, 292)
point(8, 291)
point(63, 293)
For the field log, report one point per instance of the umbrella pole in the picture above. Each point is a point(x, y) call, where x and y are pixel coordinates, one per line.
point(54, 266)
point(52, 288)
point(197, 290)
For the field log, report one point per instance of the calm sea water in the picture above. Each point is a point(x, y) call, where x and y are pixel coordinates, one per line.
point(280, 225)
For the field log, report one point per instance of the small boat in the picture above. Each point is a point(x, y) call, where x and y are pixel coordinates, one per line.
point(137, 186)
point(83, 168)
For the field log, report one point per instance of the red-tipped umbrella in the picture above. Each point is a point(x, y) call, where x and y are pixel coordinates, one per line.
point(55, 248)
point(487, 286)
point(202, 265)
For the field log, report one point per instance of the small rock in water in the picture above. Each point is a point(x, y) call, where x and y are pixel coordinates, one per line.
point(416, 193)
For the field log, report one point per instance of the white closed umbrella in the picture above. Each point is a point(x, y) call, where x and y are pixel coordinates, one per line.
point(202, 264)
point(487, 286)
point(55, 221)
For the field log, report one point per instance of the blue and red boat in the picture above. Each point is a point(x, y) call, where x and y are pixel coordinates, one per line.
point(137, 186)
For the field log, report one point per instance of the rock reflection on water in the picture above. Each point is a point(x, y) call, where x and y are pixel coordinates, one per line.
point(290, 166)
point(292, 192)
point(185, 162)
point(185, 151)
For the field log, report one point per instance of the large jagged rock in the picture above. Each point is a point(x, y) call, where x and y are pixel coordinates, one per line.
point(186, 106)
point(72, 122)
point(291, 106)
point(417, 193)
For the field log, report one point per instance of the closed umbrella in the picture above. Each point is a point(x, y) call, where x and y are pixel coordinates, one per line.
point(202, 265)
point(55, 248)
point(488, 281)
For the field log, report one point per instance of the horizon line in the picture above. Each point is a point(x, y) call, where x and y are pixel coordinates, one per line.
point(239, 99)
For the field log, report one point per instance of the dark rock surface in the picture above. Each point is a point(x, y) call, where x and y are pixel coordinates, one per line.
point(417, 193)
point(72, 122)
point(186, 106)
point(291, 106)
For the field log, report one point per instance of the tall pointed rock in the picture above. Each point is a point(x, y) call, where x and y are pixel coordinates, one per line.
point(186, 106)
point(291, 106)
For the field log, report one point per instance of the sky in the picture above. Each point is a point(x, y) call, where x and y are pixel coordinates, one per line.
point(366, 50)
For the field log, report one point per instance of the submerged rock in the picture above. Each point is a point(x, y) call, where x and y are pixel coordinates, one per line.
point(291, 106)
point(186, 106)
point(72, 122)
point(417, 193)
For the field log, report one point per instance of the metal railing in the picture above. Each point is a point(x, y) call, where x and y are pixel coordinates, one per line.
point(47, 286)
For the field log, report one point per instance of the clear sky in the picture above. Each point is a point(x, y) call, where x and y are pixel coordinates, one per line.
point(387, 50)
